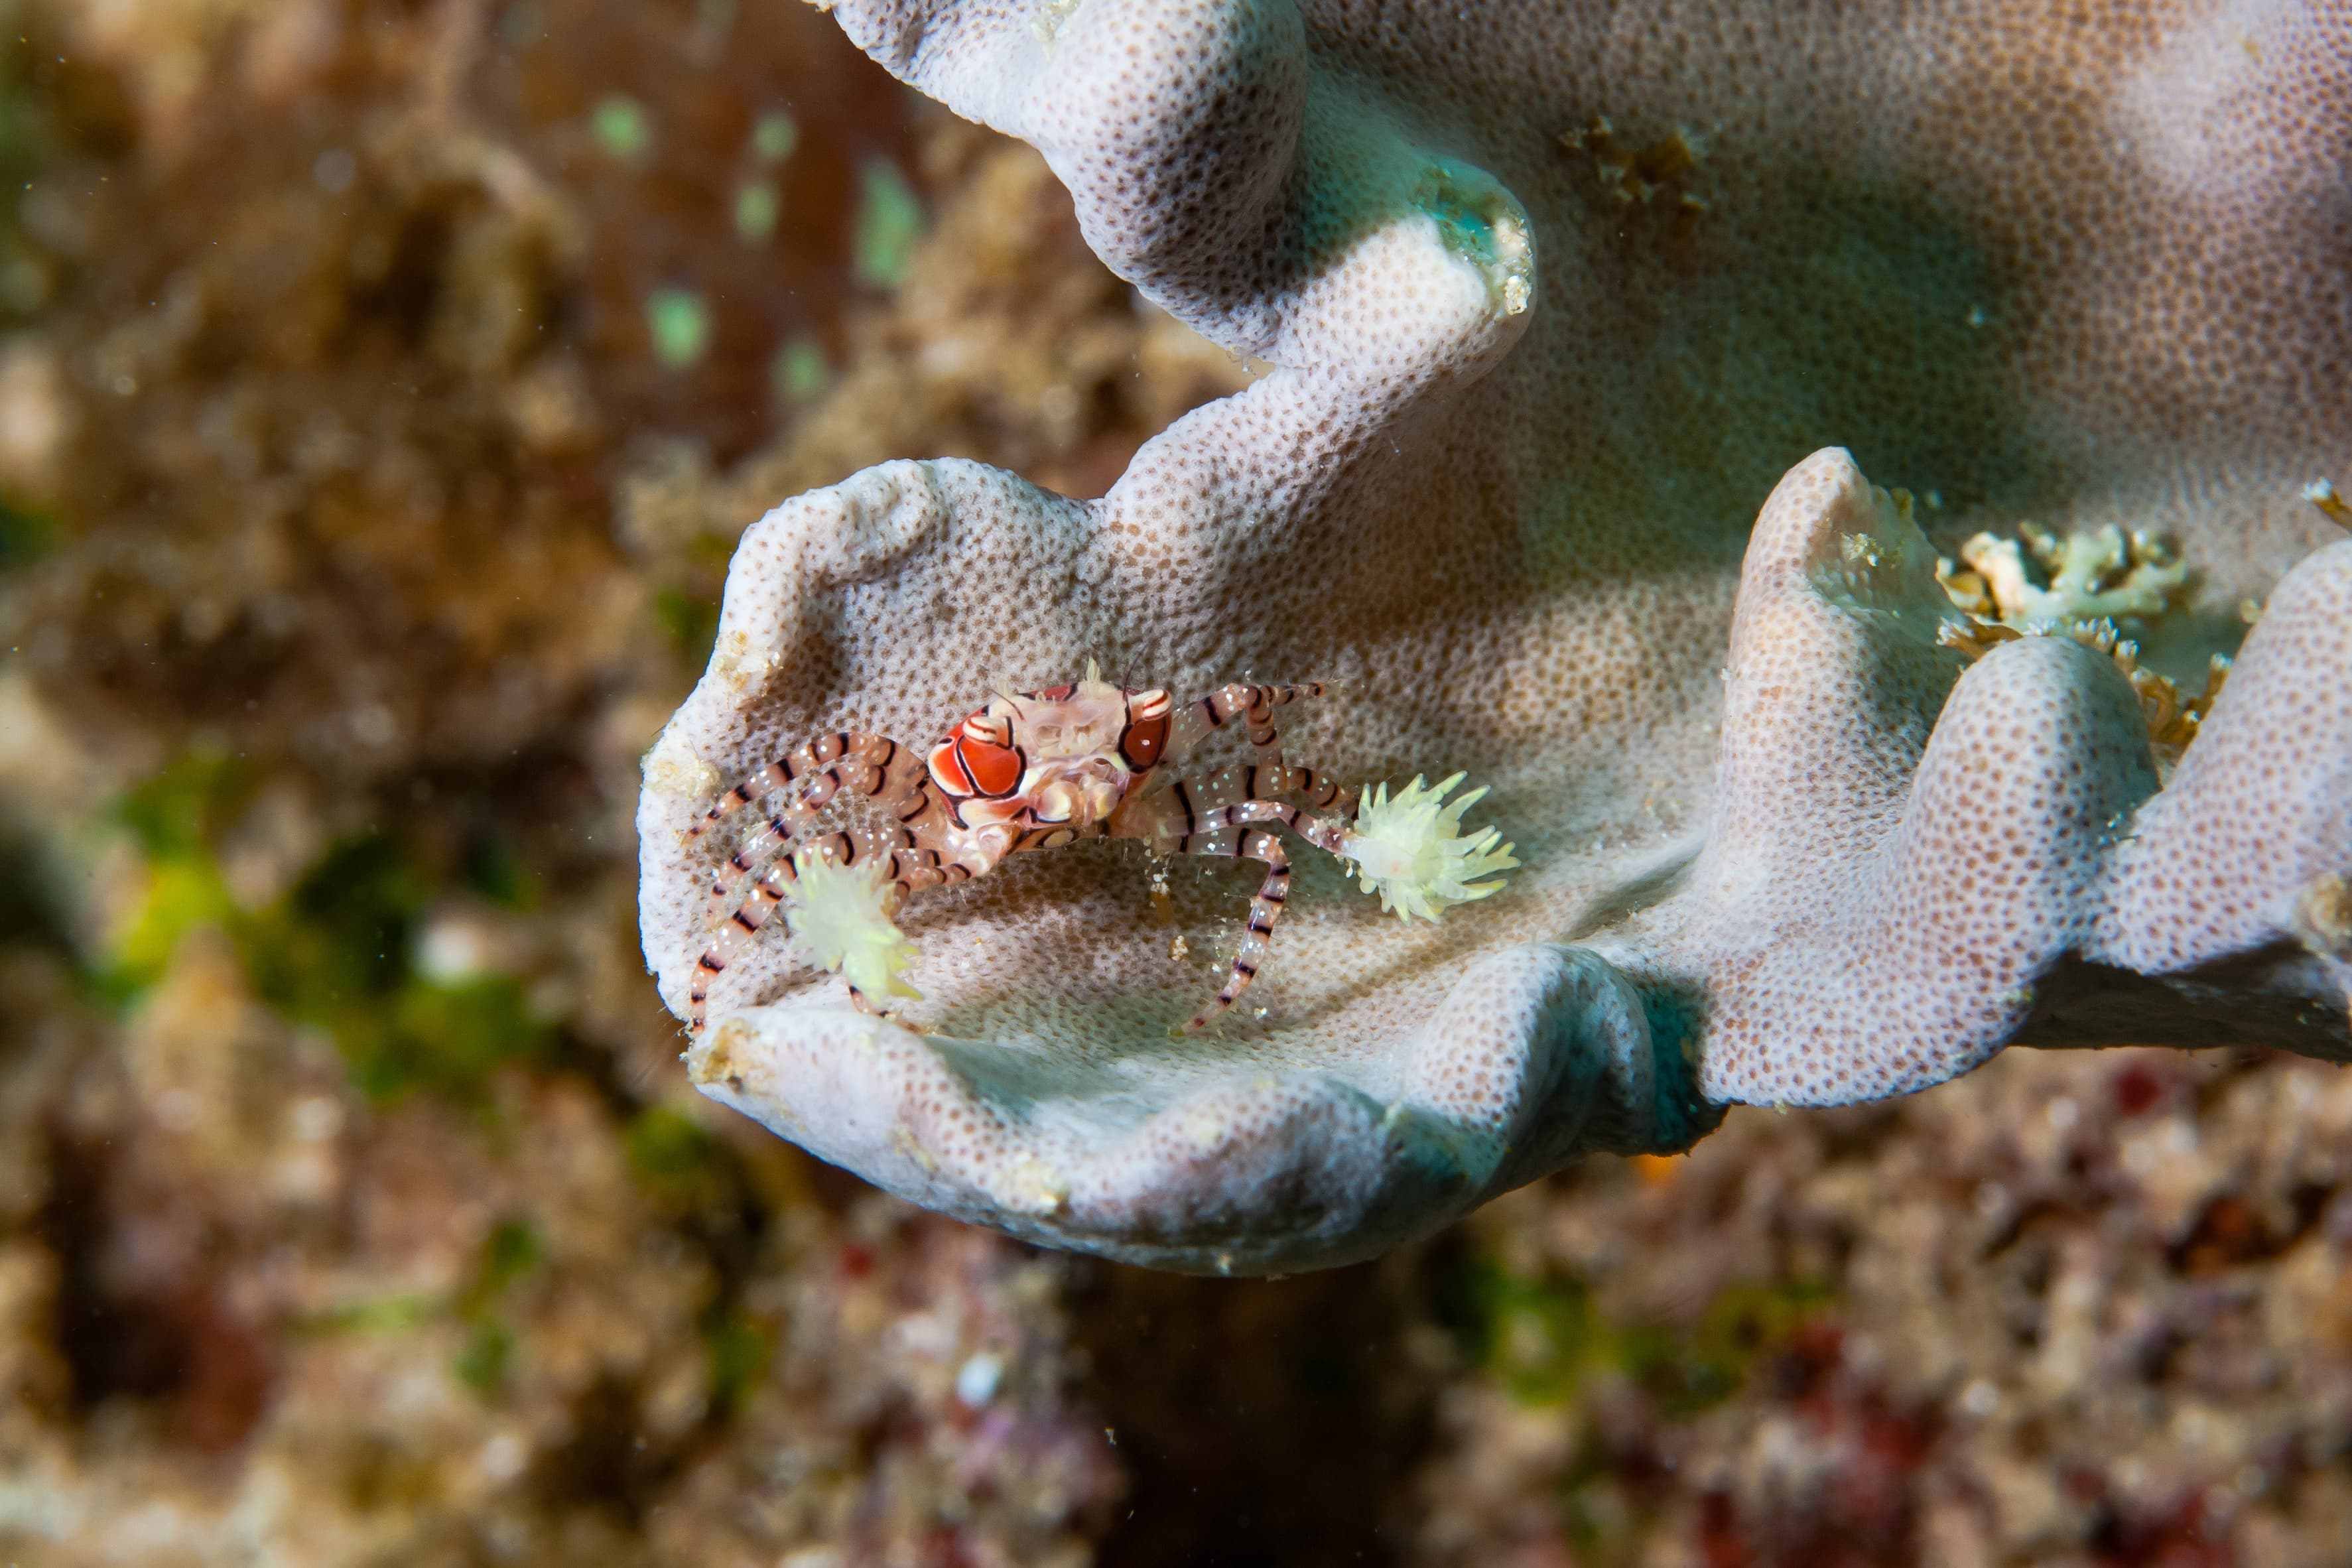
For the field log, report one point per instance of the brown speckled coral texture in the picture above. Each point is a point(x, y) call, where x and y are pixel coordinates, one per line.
point(1529, 389)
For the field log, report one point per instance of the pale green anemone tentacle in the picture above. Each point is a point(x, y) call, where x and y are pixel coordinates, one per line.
point(1410, 850)
point(840, 917)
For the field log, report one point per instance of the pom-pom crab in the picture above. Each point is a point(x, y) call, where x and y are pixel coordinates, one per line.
point(1038, 770)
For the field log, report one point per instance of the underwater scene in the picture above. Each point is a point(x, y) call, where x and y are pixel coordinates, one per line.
point(1175, 783)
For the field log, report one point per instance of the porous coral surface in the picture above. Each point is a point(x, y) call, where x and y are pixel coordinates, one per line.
point(1555, 299)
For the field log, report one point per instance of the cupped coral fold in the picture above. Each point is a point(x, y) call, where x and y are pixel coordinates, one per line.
point(1225, 1160)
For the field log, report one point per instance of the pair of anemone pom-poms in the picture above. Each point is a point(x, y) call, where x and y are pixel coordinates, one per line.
point(1408, 848)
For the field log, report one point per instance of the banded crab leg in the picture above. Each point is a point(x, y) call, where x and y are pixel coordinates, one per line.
point(872, 765)
point(1327, 836)
point(793, 767)
point(811, 777)
point(1253, 705)
point(768, 890)
point(1175, 810)
point(908, 867)
point(1261, 780)
point(1264, 910)
point(1266, 907)
point(1201, 817)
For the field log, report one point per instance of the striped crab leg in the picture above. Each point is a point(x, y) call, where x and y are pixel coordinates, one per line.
point(1212, 828)
point(1264, 910)
point(1253, 705)
point(1182, 808)
point(768, 892)
point(785, 772)
point(910, 866)
point(915, 846)
point(1262, 780)
point(1203, 818)
point(871, 765)
point(1327, 836)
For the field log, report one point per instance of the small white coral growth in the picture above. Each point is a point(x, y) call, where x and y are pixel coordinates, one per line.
point(840, 916)
point(2101, 573)
point(1410, 849)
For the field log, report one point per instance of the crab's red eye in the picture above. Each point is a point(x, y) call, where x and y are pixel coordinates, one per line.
point(995, 771)
point(1143, 742)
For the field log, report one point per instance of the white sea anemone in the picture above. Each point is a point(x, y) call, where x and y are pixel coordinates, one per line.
point(840, 916)
point(1410, 849)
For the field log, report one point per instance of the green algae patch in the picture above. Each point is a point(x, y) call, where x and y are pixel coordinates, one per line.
point(482, 1361)
point(494, 873)
point(173, 818)
point(25, 536)
point(335, 954)
point(889, 222)
point(802, 372)
point(181, 895)
point(741, 1350)
point(757, 209)
point(1543, 1337)
point(679, 323)
point(382, 1315)
point(673, 1158)
point(176, 814)
point(692, 621)
point(335, 951)
point(774, 137)
point(449, 1039)
point(624, 129)
point(511, 1253)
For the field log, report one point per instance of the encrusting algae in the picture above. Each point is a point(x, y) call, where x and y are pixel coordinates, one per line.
point(2094, 578)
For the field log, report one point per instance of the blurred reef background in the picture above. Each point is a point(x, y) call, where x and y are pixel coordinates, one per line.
point(382, 386)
